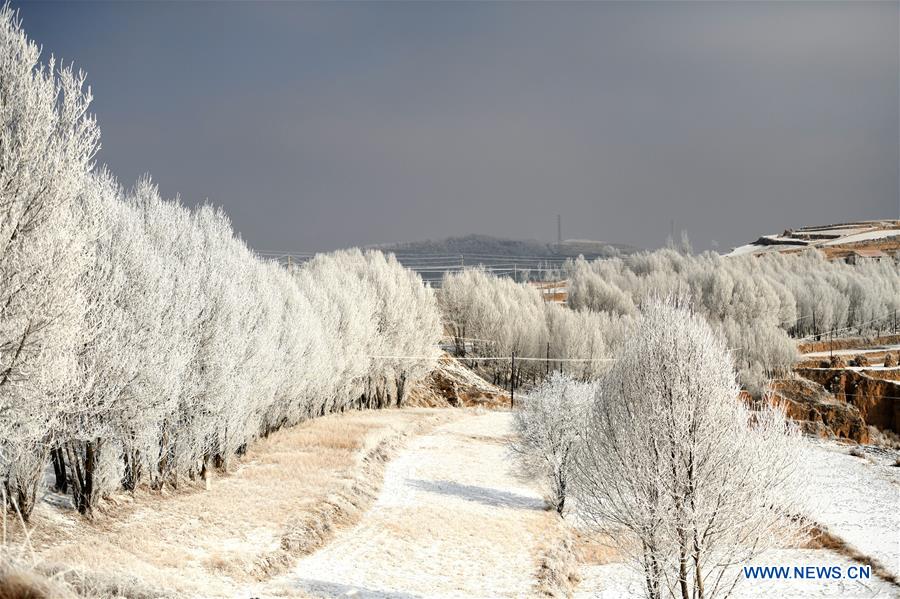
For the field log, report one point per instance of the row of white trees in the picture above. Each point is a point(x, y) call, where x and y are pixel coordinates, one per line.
point(142, 342)
point(493, 317)
point(663, 457)
point(759, 303)
point(761, 306)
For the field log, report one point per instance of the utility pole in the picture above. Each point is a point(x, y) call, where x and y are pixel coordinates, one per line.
point(548, 358)
point(512, 380)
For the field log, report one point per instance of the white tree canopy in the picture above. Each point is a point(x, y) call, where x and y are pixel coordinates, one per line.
point(672, 457)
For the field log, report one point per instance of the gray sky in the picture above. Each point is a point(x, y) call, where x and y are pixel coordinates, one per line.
point(323, 125)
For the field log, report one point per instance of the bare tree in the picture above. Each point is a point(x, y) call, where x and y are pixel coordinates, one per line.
point(700, 481)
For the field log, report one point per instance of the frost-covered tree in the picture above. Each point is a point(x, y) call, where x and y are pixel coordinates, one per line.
point(388, 319)
point(173, 240)
point(672, 457)
point(495, 317)
point(581, 342)
point(407, 325)
point(108, 357)
point(47, 143)
point(547, 423)
point(758, 303)
point(142, 342)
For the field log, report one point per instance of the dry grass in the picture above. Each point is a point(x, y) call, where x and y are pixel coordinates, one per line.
point(598, 549)
point(558, 566)
point(573, 551)
point(286, 496)
point(821, 538)
point(23, 583)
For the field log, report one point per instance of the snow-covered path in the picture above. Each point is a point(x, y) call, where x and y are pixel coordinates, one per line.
point(451, 521)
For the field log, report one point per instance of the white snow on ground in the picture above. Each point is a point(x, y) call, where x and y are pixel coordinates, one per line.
point(789, 240)
point(617, 581)
point(840, 237)
point(745, 249)
point(868, 235)
point(608, 581)
point(836, 231)
point(451, 521)
point(772, 247)
point(857, 499)
point(842, 588)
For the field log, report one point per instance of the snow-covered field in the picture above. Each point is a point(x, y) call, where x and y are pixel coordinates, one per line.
point(857, 499)
point(864, 236)
point(617, 581)
point(451, 521)
point(213, 543)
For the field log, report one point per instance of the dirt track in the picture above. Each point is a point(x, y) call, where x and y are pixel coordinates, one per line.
point(451, 521)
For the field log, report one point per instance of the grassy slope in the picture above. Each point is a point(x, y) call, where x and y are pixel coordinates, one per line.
point(286, 497)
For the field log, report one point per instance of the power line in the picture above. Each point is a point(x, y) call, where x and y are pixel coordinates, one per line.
point(470, 339)
point(847, 328)
point(400, 255)
point(496, 358)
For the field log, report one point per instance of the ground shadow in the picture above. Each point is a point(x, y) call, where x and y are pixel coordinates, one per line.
point(485, 495)
point(329, 590)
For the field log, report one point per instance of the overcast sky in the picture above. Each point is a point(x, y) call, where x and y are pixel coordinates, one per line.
point(323, 125)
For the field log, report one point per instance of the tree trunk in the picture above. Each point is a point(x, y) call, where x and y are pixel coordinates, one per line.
point(132, 474)
point(204, 473)
point(561, 499)
point(682, 565)
point(162, 465)
point(21, 498)
point(698, 574)
point(59, 469)
point(84, 492)
point(401, 390)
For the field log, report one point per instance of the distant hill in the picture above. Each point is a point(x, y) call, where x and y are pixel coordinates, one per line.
point(486, 245)
point(519, 258)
